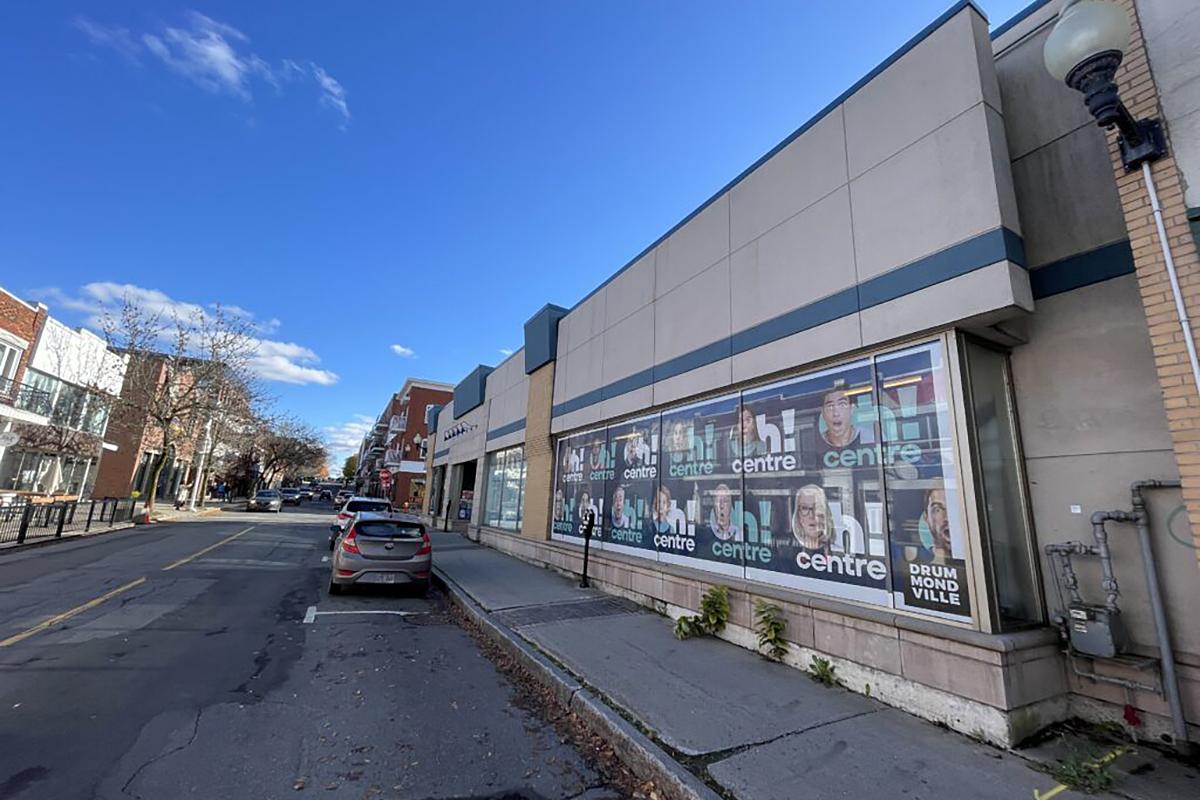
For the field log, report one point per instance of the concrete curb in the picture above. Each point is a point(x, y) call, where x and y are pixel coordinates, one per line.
point(643, 756)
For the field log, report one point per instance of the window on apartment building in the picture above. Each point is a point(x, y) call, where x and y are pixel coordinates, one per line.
point(1000, 488)
point(10, 357)
point(505, 488)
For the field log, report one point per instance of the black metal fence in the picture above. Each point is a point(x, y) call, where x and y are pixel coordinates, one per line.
point(24, 520)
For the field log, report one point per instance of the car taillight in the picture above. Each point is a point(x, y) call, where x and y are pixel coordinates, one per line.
point(426, 545)
point(349, 545)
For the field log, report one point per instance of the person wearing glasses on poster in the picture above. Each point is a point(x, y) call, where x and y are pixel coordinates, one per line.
point(812, 522)
point(744, 440)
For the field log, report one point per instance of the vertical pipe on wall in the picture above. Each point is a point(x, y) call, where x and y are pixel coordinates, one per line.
point(1184, 324)
point(1166, 651)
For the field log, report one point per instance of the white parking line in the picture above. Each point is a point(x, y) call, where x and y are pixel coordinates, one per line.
point(310, 616)
point(324, 559)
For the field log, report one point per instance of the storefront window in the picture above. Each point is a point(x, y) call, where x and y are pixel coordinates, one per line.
point(813, 469)
point(631, 492)
point(841, 482)
point(1001, 489)
point(924, 502)
point(505, 488)
point(581, 481)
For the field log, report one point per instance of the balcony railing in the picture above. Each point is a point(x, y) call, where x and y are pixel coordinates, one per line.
point(25, 397)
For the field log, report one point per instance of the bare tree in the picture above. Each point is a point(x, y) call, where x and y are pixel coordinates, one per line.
point(289, 448)
point(182, 368)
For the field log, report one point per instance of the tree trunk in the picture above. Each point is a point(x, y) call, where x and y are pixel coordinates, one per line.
point(156, 475)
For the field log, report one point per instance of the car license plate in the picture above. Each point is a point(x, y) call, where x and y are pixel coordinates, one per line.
point(380, 577)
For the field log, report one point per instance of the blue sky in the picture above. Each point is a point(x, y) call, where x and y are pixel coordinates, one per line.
point(327, 166)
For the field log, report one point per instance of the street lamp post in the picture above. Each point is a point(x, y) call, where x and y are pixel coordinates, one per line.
point(196, 487)
point(1084, 50)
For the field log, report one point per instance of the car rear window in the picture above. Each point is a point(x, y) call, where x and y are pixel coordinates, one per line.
point(366, 505)
point(397, 529)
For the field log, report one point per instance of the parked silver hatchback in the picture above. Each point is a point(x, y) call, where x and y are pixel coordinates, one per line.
point(381, 548)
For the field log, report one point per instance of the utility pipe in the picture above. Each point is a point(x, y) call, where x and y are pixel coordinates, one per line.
point(1100, 534)
point(1141, 518)
point(1165, 243)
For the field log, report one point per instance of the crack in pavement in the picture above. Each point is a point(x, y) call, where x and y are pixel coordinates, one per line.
point(172, 751)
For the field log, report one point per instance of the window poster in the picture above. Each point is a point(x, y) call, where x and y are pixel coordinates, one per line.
point(584, 466)
point(632, 486)
point(924, 504)
point(698, 505)
point(812, 466)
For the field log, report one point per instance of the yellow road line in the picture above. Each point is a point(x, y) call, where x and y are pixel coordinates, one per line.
point(1058, 789)
point(41, 626)
point(211, 547)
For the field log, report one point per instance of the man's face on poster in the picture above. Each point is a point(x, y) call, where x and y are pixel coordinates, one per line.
point(723, 506)
point(558, 504)
point(838, 415)
point(619, 501)
point(938, 519)
point(749, 426)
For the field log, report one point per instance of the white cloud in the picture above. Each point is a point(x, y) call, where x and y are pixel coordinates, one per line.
point(272, 360)
point(504, 351)
point(403, 352)
point(343, 440)
point(333, 94)
point(116, 38)
point(216, 57)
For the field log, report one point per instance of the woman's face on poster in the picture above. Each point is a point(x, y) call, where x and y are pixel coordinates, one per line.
point(558, 504)
point(810, 514)
point(662, 504)
point(679, 442)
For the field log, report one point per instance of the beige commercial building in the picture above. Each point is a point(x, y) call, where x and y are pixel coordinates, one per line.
point(876, 375)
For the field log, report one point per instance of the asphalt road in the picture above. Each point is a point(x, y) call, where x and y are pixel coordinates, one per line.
point(187, 670)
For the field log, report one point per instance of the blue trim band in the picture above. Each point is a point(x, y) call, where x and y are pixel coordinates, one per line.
point(1084, 269)
point(441, 453)
point(504, 430)
point(945, 17)
point(975, 253)
point(1017, 18)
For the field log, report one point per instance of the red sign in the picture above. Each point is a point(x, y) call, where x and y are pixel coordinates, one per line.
point(385, 476)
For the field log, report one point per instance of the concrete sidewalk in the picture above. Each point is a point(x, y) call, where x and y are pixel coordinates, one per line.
point(747, 727)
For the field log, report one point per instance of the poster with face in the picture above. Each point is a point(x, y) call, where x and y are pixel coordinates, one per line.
point(631, 490)
point(814, 485)
point(583, 467)
point(697, 508)
point(924, 504)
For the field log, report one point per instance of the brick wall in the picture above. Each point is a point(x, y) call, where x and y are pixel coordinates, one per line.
point(1181, 396)
point(539, 455)
point(24, 320)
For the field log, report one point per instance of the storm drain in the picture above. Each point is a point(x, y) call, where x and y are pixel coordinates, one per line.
point(560, 612)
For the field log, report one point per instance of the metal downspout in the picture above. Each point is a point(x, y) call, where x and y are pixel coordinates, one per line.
point(1141, 519)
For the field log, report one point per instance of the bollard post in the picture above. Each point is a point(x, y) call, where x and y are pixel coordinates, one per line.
point(589, 522)
point(62, 518)
point(87, 526)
